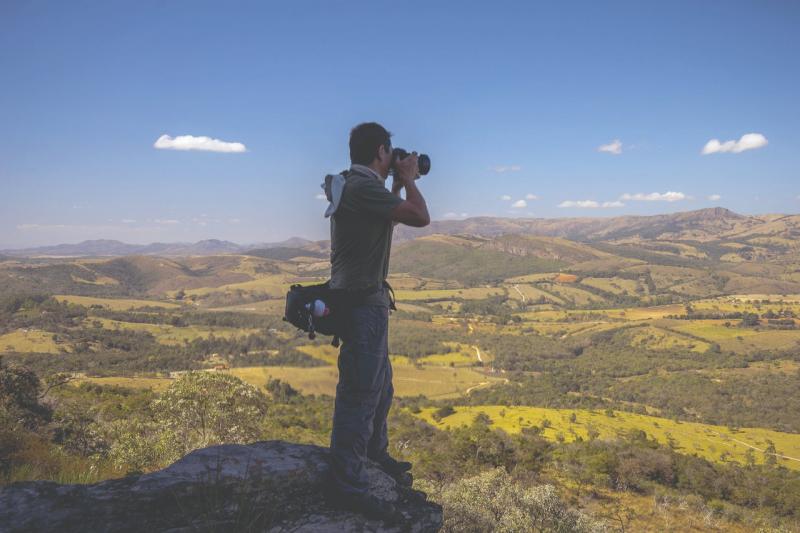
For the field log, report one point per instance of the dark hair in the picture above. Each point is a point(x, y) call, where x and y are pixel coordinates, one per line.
point(365, 139)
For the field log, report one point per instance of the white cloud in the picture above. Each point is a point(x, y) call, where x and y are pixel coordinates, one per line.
point(748, 141)
point(190, 142)
point(505, 198)
point(506, 168)
point(614, 147)
point(320, 196)
point(530, 196)
point(714, 197)
point(234, 220)
point(128, 221)
point(451, 214)
point(590, 204)
point(519, 204)
point(584, 204)
point(166, 221)
point(669, 196)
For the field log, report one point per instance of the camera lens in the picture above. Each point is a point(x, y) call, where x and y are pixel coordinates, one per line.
point(423, 160)
point(424, 163)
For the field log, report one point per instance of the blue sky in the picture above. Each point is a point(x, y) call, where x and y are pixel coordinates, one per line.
point(512, 100)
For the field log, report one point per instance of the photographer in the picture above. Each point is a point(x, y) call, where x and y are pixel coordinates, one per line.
point(361, 238)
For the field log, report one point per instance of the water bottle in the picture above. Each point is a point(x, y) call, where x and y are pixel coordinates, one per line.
point(318, 308)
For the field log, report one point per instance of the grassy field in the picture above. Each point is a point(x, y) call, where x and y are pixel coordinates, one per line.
point(116, 304)
point(612, 285)
point(429, 380)
point(475, 293)
point(705, 440)
point(167, 334)
point(274, 286)
point(29, 341)
point(527, 293)
point(661, 339)
point(156, 384)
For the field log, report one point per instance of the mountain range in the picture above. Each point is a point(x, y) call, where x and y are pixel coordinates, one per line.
point(701, 226)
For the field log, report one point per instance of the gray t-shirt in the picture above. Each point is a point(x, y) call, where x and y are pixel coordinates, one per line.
point(361, 234)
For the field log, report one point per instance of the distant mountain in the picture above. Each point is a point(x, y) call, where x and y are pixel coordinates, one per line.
point(703, 224)
point(113, 248)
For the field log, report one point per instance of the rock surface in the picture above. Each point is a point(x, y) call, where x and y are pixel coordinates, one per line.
point(266, 486)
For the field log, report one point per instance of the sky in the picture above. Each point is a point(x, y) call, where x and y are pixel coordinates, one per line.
point(155, 121)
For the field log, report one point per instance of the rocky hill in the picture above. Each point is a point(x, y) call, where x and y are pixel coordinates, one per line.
point(266, 486)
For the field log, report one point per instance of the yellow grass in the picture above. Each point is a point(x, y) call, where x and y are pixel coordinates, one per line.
point(612, 285)
point(531, 293)
point(475, 293)
point(532, 278)
point(430, 381)
point(156, 384)
point(29, 341)
point(167, 334)
point(660, 339)
point(462, 355)
point(270, 307)
point(116, 304)
point(274, 286)
point(692, 438)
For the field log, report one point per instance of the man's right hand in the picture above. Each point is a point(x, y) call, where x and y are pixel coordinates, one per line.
point(406, 170)
point(412, 211)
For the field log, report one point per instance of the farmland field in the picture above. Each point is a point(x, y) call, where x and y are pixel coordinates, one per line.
point(716, 443)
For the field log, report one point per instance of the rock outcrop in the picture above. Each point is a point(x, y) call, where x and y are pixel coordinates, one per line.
point(266, 486)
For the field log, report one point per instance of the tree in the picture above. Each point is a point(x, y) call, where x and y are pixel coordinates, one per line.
point(20, 391)
point(205, 408)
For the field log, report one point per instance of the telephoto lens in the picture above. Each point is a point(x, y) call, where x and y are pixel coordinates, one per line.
point(423, 160)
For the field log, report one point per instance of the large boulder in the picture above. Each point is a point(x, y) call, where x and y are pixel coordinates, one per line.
point(266, 486)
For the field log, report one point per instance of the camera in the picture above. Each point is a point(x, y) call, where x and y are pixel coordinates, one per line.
point(423, 160)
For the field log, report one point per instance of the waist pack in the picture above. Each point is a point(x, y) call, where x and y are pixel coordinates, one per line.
point(330, 318)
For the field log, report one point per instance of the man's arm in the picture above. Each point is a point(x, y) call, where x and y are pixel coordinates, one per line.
point(413, 211)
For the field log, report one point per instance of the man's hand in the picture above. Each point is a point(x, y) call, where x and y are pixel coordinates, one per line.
point(412, 211)
point(405, 171)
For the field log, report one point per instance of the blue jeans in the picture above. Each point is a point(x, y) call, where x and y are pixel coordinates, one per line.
point(363, 397)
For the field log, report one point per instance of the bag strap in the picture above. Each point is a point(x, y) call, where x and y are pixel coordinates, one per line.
point(392, 299)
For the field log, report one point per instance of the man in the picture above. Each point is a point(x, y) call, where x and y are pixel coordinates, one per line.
point(361, 239)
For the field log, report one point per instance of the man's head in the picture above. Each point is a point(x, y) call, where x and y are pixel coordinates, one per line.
point(371, 145)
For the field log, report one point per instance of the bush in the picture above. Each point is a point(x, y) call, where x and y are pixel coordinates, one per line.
point(494, 501)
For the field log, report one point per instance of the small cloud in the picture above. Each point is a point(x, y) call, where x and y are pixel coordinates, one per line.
point(190, 142)
point(615, 203)
point(714, 197)
point(505, 198)
point(234, 220)
point(506, 168)
point(614, 147)
point(320, 196)
point(748, 141)
point(669, 196)
point(128, 221)
point(166, 221)
point(583, 204)
point(452, 214)
point(530, 196)
point(519, 204)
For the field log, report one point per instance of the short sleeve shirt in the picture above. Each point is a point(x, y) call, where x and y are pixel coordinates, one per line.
point(361, 234)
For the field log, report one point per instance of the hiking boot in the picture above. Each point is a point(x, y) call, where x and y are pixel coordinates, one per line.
point(393, 467)
point(366, 504)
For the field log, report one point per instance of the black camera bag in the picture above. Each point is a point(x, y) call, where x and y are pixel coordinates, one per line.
point(338, 302)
